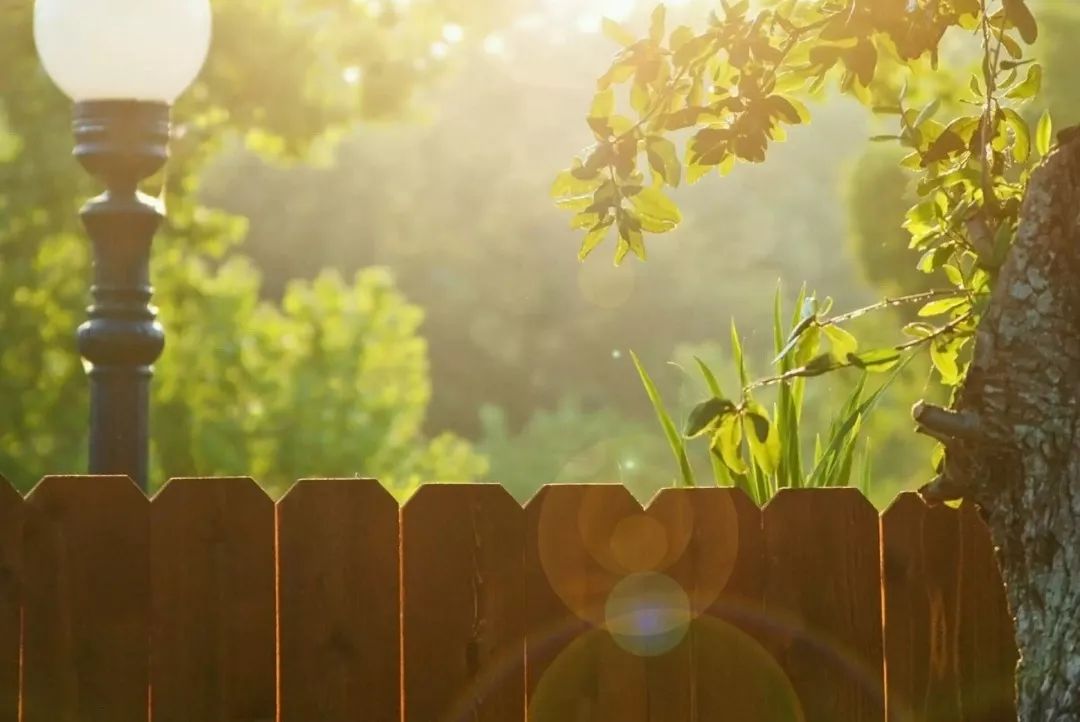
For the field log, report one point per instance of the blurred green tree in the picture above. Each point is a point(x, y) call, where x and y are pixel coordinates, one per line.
point(236, 390)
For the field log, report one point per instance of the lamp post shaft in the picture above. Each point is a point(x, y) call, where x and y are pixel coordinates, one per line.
point(121, 143)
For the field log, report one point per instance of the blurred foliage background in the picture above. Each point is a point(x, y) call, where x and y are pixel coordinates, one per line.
point(363, 274)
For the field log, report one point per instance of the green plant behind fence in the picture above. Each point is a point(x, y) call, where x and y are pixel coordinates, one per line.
point(761, 449)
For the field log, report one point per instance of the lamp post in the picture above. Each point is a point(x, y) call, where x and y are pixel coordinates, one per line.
point(123, 62)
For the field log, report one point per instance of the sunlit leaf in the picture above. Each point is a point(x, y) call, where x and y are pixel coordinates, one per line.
point(1030, 86)
point(678, 448)
point(664, 159)
point(943, 354)
point(658, 212)
point(657, 24)
point(1019, 15)
point(617, 33)
point(707, 414)
point(876, 360)
point(1044, 133)
point(942, 306)
point(843, 343)
point(728, 441)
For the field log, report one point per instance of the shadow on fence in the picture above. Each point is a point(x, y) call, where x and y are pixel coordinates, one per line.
point(212, 604)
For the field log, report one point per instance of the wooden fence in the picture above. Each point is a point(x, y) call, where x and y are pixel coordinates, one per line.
point(213, 604)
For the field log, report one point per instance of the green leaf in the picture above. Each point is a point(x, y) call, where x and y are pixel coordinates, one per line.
point(707, 414)
point(594, 237)
point(738, 356)
point(603, 104)
point(617, 33)
point(1044, 133)
point(659, 213)
point(927, 112)
point(843, 343)
point(569, 191)
point(680, 36)
point(955, 276)
point(796, 335)
point(1020, 16)
point(657, 24)
point(942, 306)
point(1031, 85)
point(764, 439)
point(785, 109)
point(664, 159)
point(678, 448)
point(876, 360)
point(710, 377)
point(817, 366)
point(944, 355)
point(728, 441)
point(1021, 149)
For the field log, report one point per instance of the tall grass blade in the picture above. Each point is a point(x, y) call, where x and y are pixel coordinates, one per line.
point(675, 440)
point(834, 456)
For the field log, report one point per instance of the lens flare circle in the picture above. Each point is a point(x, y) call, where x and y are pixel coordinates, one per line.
point(647, 614)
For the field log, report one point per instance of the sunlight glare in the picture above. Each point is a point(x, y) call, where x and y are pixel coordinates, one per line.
point(494, 45)
point(439, 50)
point(453, 33)
point(352, 74)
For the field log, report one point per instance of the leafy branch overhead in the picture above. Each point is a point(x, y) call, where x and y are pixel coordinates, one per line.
point(679, 104)
point(727, 92)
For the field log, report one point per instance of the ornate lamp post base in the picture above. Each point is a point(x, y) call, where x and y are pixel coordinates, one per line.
point(121, 143)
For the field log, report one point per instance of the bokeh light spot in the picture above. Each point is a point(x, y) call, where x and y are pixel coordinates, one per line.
point(647, 614)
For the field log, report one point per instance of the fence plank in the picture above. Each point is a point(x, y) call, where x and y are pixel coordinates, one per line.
point(574, 668)
point(920, 557)
point(463, 613)
point(986, 638)
point(340, 621)
point(86, 601)
point(824, 594)
point(11, 530)
point(213, 622)
point(722, 671)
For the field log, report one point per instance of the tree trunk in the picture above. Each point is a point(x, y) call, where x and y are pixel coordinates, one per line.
point(1021, 464)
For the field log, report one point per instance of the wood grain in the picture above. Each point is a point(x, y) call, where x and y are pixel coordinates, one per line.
point(920, 565)
point(464, 604)
point(11, 531)
point(213, 624)
point(823, 596)
point(87, 601)
point(339, 590)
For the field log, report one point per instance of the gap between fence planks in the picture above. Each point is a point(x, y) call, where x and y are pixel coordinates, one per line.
point(212, 602)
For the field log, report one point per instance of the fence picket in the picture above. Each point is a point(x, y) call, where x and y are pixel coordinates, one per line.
point(463, 614)
point(213, 621)
point(339, 592)
point(583, 606)
point(989, 656)
point(86, 601)
point(823, 595)
point(11, 530)
point(920, 554)
point(574, 668)
point(722, 671)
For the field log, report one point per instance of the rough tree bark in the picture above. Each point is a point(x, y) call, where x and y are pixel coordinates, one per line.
point(1013, 438)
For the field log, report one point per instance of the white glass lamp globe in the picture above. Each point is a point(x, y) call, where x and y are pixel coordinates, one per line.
point(148, 50)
